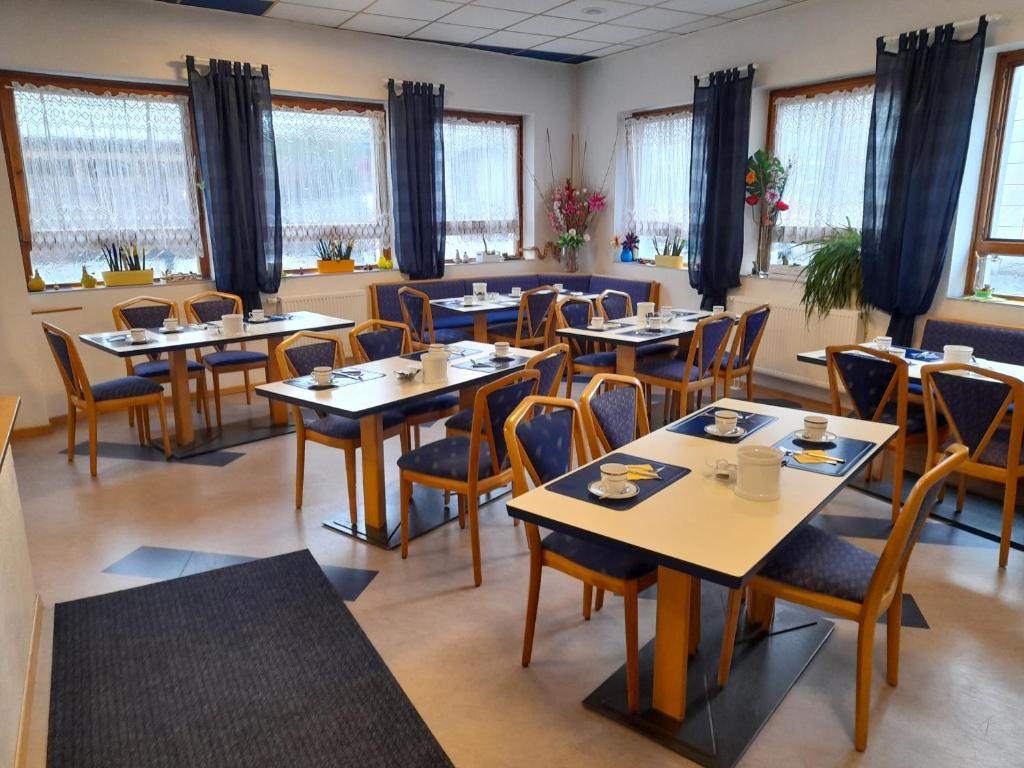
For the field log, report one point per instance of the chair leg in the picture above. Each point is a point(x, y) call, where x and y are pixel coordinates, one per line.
point(72, 426)
point(461, 501)
point(300, 468)
point(350, 479)
point(732, 618)
point(632, 610)
point(1009, 502)
point(131, 417)
point(473, 502)
point(248, 392)
point(216, 397)
point(201, 395)
point(893, 622)
point(405, 439)
point(599, 599)
point(146, 428)
point(865, 645)
point(406, 497)
point(161, 413)
point(961, 493)
point(750, 384)
point(897, 481)
point(136, 410)
point(532, 599)
point(416, 434)
point(588, 600)
point(92, 442)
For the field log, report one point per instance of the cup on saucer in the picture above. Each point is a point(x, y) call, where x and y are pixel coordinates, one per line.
point(516, 292)
point(468, 300)
point(883, 343)
point(654, 322)
point(257, 315)
point(138, 335)
point(502, 349)
point(322, 375)
point(725, 422)
point(613, 478)
point(597, 323)
point(717, 309)
point(815, 426)
point(170, 323)
point(957, 353)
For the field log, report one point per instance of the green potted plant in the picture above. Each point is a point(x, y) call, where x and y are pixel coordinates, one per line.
point(833, 277)
point(671, 253)
point(334, 256)
point(126, 264)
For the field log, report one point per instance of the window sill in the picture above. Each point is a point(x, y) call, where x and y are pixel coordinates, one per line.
point(1019, 303)
point(314, 273)
point(146, 286)
point(484, 263)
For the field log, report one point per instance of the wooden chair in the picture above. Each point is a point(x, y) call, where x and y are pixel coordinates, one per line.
point(150, 312)
point(381, 339)
point(298, 355)
point(695, 373)
point(532, 328)
point(208, 307)
point(739, 360)
point(615, 305)
point(126, 393)
point(876, 383)
point(614, 412)
point(577, 312)
point(468, 466)
point(976, 404)
point(542, 446)
point(417, 314)
point(826, 573)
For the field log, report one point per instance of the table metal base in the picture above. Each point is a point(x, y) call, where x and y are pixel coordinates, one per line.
point(721, 723)
point(216, 438)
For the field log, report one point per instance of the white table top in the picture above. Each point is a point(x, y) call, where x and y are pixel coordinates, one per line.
point(209, 334)
point(817, 357)
point(679, 326)
point(504, 301)
point(698, 524)
point(380, 394)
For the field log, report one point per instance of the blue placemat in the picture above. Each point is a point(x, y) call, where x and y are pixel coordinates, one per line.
point(452, 352)
point(338, 379)
point(645, 332)
point(847, 448)
point(575, 484)
point(694, 425)
point(923, 355)
point(489, 364)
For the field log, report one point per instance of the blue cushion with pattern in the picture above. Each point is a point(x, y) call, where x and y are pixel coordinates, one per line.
point(506, 330)
point(615, 412)
point(671, 369)
point(547, 442)
point(820, 562)
point(448, 458)
point(344, 428)
point(126, 386)
point(997, 450)
point(611, 562)
point(638, 290)
point(305, 357)
point(461, 421)
point(990, 342)
point(577, 314)
point(388, 307)
point(596, 359)
point(430, 405)
point(752, 325)
point(214, 309)
point(235, 357)
point(156, 368)
point(651, 350)
point(382, 343)
point(146, 315)
point(450, 335)
point(548, 368)
point(616, 307)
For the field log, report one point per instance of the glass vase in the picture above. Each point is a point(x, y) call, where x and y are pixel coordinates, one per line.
point(764, 249)
point(571, 258)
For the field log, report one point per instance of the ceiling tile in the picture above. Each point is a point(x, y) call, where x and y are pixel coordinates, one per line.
point(449, 33)
point(549, 25)
point(708, 7)
point(488, 18)
point(610, 50)
point(338, 5)
point(325, 17)
point(527, 6)
point(609, 33)
point(706, 23)
point(381, 25)
point(751, 10)
point(516, 40)
point(428, 10)
point(569, 46)
point(594, 11)
point(656, 19)
point(656, 37)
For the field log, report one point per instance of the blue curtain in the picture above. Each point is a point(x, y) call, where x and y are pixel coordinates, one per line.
point(917, 147)
point(235, 134)
point(718, 163)
point(415, 119)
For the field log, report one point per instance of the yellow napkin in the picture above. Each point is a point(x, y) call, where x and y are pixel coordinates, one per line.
point(641, 472)
point(814, 457)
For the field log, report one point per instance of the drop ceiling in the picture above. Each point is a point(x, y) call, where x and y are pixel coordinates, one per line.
point(570, 31)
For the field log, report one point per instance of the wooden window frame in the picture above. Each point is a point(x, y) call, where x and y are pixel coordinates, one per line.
point(516, 120)
point(808, 91)
point(680, 109)
point(981, 242)
point(16, 165)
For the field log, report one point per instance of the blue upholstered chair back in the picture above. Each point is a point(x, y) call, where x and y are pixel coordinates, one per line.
point(415, 316)
point(500, 403)
point(615, 412)
point(549, 368)
point(713, 336)
point(990, 342)
point(214, 309)
point(972, 404)
point(386, 342)
point(546, 441)
point(867, 381)
point(63, 352)
point(616, 306)
point(539, 305)
point(576, 313)
point(146, 315)
point(305, 357)
point(751, 328)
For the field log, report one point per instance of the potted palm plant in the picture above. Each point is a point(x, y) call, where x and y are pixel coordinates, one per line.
point(833, 277)
point(334, 256)
point(126, 264)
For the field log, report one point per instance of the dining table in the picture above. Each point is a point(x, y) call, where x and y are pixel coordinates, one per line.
point(479, 310)
point(176, 345)
point(916, 358)
point(364, 391)
point(700, 533)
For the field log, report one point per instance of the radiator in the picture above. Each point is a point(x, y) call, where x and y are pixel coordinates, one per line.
point(352, 305)
point(789, 332)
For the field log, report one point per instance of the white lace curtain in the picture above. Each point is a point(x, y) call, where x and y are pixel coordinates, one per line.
point(658, 174)
point(332, 174)
point(826, 139)
point(104, 166)
point(481, 169)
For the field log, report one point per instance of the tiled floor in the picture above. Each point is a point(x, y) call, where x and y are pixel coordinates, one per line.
point(455, 649)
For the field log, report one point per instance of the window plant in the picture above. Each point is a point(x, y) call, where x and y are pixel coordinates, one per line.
point(333, 256)
point(126, 264)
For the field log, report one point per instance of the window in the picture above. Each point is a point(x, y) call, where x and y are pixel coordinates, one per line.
point(333, 177)
point(95, 162)
point(999, 226)
point(657, 203)
point(822, 131)
point(482, 183)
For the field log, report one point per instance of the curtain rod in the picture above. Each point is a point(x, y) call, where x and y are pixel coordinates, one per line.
point(206, 60)
point(709, 74)
point(991, 18)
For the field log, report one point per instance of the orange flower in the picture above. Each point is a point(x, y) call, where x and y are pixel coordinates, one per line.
point(751, 177)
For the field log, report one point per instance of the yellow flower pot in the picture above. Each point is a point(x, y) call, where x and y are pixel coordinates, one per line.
point(128, 277)
point(672, 262)
point(335, 267)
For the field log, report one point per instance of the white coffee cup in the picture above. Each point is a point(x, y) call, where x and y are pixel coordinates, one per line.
point(757, 472)
point(517, 291)
point(257, 315)
point(654, 322)
point(957, 353)
point(613, 478)
point(502, 349)
point(138, 334)
point(883, 343)
point(558, 287)
point(170, 323)
point(717, 309)
point(322, 375)
point(725, 421)
point(232, 325)
point(815, 426)
point(644, 308)
point(597, 322)
point(468, 300)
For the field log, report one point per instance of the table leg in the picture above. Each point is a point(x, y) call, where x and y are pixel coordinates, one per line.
point(625, 360)
point(371, 439)
point(672, 642)
point(467, 397)
point(480, 327)
point(184, 433)
point(278, 408)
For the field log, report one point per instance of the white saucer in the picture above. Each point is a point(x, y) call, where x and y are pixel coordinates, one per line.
point(595, 328)
point(828, 437)
point(737, 431)
point(502, 358)
point(631, 490)
point(264, 320)
point(179, 329)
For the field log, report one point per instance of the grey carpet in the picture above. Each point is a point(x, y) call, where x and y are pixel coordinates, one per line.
point(254, 665)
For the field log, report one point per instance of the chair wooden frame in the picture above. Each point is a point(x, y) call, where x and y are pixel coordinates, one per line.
point(426, 317)
point(606, 382)
point(524, 473)
point(121, 323)
point(524, 322)
point(1009, 475)
point(80, 398)
point(611, 292)
point(348, 446)
point(576, 346)
point(729, 372)
point(884, 595)
point(220, 370)
point(469, 490)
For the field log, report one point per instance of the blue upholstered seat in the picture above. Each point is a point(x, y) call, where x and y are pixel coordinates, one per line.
point(596, 359)
point(234, 357)
point(126, 386)
point(430, 405)
point(650, 350)
point(152, 369)
point(820, 562)
point(671, 369)
point(611, 562)
point(507, 330)
point(448, 458)
point(450, 335)
point(461, 421)
point(615, 412)
point(344, 428)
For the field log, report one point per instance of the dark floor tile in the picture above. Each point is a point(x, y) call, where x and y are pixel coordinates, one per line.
point(136, 452)
point(200, 562)
point(858, 527)
point(152, 563)
point(349, 583)
point(911, 616)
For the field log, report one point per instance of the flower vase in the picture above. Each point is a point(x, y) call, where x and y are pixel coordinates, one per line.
point(765, 234)
point(626, 255)
point(571, 258)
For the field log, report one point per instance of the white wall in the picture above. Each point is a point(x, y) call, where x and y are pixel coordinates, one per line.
point(810, 42)
point(132, 40)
